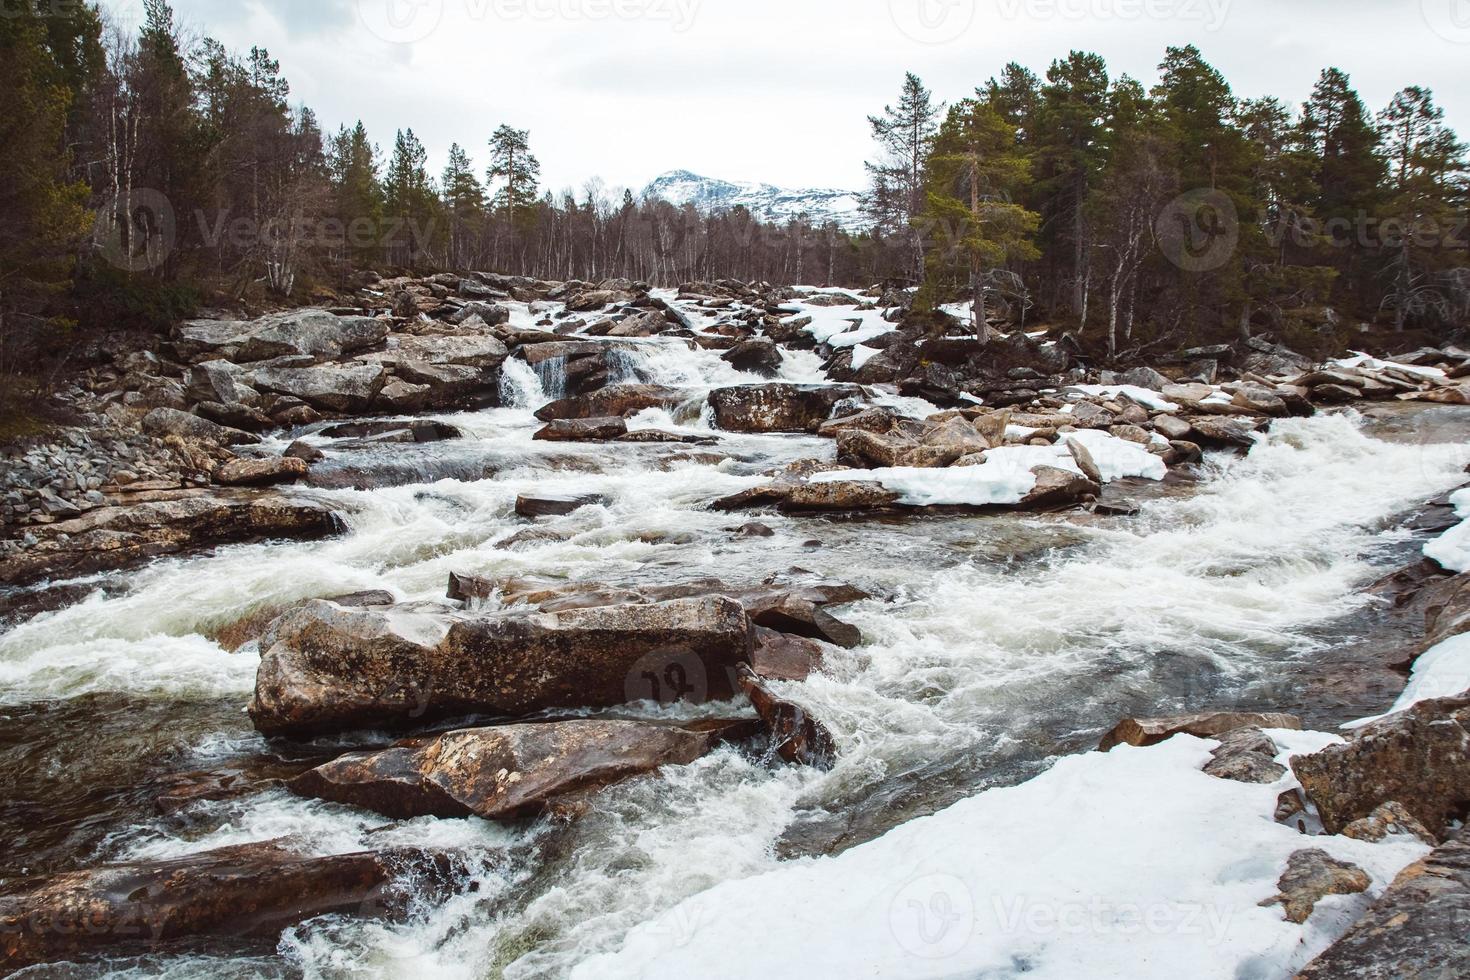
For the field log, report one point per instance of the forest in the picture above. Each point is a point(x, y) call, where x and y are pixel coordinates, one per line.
point(143, 175)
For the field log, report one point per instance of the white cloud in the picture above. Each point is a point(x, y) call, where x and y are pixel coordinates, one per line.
point(775, 90)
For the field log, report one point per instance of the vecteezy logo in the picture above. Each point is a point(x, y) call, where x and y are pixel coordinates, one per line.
point(1198, 230)
point(1450, 19)
point(401, 21)
point(933, 21)
point(933, 917)
point(135, 230)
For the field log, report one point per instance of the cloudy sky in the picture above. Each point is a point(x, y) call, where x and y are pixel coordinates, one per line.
point(778, 90)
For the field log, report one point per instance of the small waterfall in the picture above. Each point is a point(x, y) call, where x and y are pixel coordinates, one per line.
point(552, 376)
point(625, 366)
point(520, 385)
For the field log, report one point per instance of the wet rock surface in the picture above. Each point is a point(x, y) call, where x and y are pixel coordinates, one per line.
point(512, 772)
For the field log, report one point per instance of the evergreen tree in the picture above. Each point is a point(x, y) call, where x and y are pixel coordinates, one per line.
point(464, 207)
point(409, 198)
point(905, 135)
point(973, 174)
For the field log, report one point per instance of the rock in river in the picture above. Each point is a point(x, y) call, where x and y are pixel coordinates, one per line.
point(779, 407)
point(331, 669)
point(510, 772)
point(249, 890)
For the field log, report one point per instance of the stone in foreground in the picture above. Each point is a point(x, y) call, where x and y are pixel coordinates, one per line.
point(1415, 931)
point(509, 773)
point(1143, 732)
point(1416, 758)
point(252, 890)
point(329, 669)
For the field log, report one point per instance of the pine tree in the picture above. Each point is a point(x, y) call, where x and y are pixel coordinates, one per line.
point(514, 172)
point(973, 174)
point(1069, 154)
point(464, 206)
point(45, 209)
point(352, 163)
point(409, 198)
point(905, 135)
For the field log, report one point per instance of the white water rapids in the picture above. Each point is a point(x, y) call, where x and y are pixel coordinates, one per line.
point(994, 643)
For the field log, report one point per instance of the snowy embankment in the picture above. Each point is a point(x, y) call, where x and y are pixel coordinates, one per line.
point(1130, 863)
point(1452, 549)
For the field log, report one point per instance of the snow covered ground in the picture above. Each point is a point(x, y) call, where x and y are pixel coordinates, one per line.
point(1132, 864)
point(1452, 549)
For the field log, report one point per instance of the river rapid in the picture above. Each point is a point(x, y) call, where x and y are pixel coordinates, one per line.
point(994, 644)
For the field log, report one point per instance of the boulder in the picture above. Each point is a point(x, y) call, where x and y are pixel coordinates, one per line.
point(332, 669)
point(164, 422)
point(1312, 875)
point(796, 736)
point(778, 407)
point(799, 615)
point(1152, 731)
point(1389, 820)
point(583, 430)
point(511, 772)
point(313, 333)
point(1172, 427)
point(780, 656)
point(869, 449)
point(755, 357)
point(1082, 456)
point(619, 400)
point(1246, 755)
point(546, 505)
point(260, 472)
point(846, 495)
point(1213, 431)
point(348, 390)
point(1416, 929)
point(1416, 758)
point(394, 430)
point(174, 522)
point(475, 350)
point(218, 381)
point(876, 420)
point(252, 890)
point(1057, 487)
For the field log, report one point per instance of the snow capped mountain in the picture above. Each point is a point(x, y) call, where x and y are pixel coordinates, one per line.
point(766, 201)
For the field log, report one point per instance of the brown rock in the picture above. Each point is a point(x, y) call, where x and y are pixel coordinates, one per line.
point(1246, 755)
point(546, 505)
point(844, 495)
point(1415, 931)
point(797, 737)
point(1388, 820)
point(332, 669)
point(1085, 462)
point(251, 890)
point(1057, 487)
point(511, 772)
point(619, 400)
point(583, 430)
point(1416, 758)
point(1152, 731)
point(782, 656)
point(778, 407)
point(1311, 876)
point(260, 472)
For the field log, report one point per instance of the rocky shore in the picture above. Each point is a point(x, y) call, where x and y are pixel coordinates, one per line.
point(518, 699)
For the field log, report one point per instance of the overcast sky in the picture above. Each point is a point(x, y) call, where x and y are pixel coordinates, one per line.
point(778, 90)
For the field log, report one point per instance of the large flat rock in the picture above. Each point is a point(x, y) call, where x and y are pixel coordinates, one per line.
point(315, 333)
point(115, 537)
point(332, 669)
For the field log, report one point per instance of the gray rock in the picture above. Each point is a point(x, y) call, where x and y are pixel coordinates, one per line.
point(310, 332)
point(164, 422)
point(1311, 876)
point(348, 390)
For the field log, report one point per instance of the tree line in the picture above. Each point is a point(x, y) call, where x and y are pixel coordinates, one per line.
point(1178, 213)
point(141, 173)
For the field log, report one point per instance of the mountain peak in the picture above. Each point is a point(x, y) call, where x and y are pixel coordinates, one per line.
point(766, 201)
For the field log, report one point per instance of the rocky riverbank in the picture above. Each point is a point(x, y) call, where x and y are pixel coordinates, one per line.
point(736, 554)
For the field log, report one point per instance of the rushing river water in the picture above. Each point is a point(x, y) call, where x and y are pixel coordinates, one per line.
point(994, 643)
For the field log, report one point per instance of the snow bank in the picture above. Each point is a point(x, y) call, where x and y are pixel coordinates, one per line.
point(1441, 672)
point(1129, 864)
point(1370, 363)
point(1005, 477)
point(1452, 549)
point(1144, 396)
